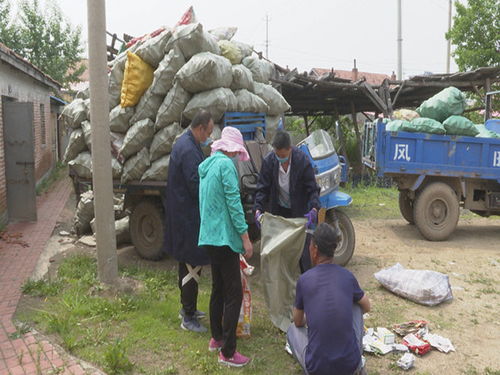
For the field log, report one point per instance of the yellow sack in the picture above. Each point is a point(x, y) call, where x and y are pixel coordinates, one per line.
point(137, 78)
point(230, 51)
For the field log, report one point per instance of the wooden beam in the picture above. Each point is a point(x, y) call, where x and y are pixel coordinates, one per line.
point(372, 95)
point(306, 125)
point(397, 94)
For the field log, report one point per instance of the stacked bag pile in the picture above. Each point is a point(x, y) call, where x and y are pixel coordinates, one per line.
point(158, 85)
point(441, 114)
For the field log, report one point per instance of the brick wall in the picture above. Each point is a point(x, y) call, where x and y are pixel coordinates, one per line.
point(23, 88)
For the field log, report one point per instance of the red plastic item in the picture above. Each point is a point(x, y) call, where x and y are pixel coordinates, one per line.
point(187, 17)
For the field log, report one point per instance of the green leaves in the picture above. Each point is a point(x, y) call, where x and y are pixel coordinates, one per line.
point(44, 37)
point(476, 34)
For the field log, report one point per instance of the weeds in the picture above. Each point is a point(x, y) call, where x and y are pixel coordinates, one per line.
point(116, 359)
point(41, 288)
point(54, 175)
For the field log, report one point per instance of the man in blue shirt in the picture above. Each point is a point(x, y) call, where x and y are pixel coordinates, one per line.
point(330, 298)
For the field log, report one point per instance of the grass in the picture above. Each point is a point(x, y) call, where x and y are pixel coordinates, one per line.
point(139, 333)
point(371, 202)
point(55, 174)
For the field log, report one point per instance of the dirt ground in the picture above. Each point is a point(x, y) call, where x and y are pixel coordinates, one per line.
point(471, 258)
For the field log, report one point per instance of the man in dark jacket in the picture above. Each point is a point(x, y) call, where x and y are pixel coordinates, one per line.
point(182, 215)
point(287, 186)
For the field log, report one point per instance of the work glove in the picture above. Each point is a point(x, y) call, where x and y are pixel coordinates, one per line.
point(312, 219)
point(258, 218)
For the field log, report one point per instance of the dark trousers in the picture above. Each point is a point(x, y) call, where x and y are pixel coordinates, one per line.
point(305, 259)
point(189, 291)
point(226, 297)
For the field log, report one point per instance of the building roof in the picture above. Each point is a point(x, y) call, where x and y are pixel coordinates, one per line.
point(350, 75)
point(12, 58)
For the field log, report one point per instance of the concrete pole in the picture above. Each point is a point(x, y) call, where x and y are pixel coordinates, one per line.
point(101, 152)
point(448, 47)
point(400, 44)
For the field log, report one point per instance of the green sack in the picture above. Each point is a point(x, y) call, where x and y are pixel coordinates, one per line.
point(450, 101)
point(397, 125)
point(426, 125)
point(485, 133)
point(459, 125)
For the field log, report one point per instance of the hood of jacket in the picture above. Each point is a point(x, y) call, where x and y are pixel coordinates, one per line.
point(209, 162)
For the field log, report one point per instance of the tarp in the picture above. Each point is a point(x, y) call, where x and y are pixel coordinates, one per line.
point(281, 247)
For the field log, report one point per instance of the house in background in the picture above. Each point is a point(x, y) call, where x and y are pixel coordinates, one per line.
point(28, 134)
point(353, 75)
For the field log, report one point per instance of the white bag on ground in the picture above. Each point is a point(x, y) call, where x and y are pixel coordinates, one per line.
point(216, 101)
point(248, 102)
point(171, 109)
point(262, 70)
point(163, 141)
point(281, 247)
point(87, 134)
point(138, 136)
point(135, 167)
point(164, 75)
point(158, 170)
point(147, 107)
point(75, 113)
point(223, 33)
point(242, 78)
point(76, 144)
point(191, 39)
point(122, 230)
point(84, 213)
point(153, 50)
point(421, 286)
point(82, 165)
point(119, 118)
point(205, 71)
point(276, 102)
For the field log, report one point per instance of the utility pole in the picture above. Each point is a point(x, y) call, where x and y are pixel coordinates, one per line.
point(267, 36)
point(101, 154)
point(448, 49)
point(400, 44)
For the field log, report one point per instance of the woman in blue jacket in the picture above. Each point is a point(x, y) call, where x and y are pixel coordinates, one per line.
point(223, 233)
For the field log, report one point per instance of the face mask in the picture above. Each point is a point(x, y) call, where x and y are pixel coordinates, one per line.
point(235, 159)
point(282, 160)
point(206, 142)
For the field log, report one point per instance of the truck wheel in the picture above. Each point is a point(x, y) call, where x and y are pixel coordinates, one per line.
point(406, 206)
point(436, 211)
point(345, 248)
point(147, 229)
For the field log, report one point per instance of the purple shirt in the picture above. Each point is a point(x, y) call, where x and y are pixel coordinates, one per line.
point(326, 293)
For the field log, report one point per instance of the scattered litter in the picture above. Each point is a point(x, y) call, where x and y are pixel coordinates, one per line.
point(373, 342)
point(442, 344)
point(288, 349)
point(386, 336)
point(64, 233)
point(413, 326)
point(88, 241)
point(406, 361)
point(457, 274)
point(13, 239)
point(494, 262)
point(459, 288)
point(451, 263)
point(381, 204)
point(416, 345)
point(65, 241)
point(421, 286)
point(366, 316)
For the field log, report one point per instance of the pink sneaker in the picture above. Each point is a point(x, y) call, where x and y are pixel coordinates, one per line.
point(237, 360)
point(214, 345)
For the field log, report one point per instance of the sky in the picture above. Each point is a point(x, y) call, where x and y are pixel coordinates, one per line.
point(302, 34)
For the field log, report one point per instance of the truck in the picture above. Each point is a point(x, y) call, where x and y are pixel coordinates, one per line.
point(436, 175)
point(144, 198)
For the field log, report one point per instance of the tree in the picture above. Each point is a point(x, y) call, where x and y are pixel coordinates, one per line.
point(476, 34)
point(45, 38)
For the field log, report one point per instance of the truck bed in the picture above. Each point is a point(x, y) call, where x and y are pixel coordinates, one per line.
point(395, 153)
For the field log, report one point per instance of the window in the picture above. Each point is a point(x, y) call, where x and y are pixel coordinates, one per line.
point(43, 131)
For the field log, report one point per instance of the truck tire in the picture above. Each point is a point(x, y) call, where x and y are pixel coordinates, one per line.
point(436, 211)
point(147, 229)
point(406, 206)
point(345, 248)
